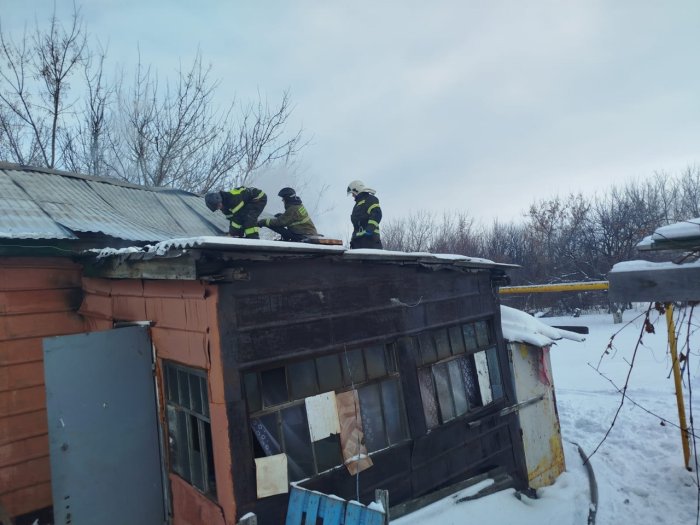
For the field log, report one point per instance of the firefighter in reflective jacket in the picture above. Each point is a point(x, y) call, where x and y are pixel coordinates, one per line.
point(365, 217)
point(242, 207)
point(294, 224)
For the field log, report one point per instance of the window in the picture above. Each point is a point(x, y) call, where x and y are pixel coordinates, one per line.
point(459, 371)
point(278, 417)
point(189, 426)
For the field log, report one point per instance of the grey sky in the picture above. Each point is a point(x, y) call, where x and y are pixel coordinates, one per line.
point(446, 105)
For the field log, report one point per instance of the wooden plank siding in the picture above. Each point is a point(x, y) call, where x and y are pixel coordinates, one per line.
point(283, 312)
point(183, 317)
point(39, 297)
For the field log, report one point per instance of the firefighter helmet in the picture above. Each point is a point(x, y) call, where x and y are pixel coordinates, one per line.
point(213, 200)
point(287, 193)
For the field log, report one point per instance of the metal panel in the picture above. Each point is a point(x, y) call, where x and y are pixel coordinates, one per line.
point(22, 218)
point(103, 430)
point(544, 453)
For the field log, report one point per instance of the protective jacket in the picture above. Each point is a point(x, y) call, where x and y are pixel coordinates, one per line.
point(365, 218)
point(242, 207)
point(295, 218)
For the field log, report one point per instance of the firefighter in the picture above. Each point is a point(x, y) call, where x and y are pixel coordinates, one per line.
point(294, 224)
point(242, 207)
point(365, 217)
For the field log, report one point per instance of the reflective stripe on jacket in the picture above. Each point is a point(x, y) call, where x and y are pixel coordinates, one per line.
point(366, 215)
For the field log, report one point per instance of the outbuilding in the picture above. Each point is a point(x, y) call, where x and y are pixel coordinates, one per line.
point(206, 374)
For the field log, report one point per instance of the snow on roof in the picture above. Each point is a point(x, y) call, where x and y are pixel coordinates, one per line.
point(519, 327)
point(676, 235)
point(48, 204)
point(636, 266)
point(241, 245)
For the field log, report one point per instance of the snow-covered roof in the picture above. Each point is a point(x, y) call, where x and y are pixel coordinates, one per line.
point(520, 327)
point(679, 235)
point(38, 203)
point(231, 244)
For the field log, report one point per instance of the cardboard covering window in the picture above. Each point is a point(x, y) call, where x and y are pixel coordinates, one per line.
point(271, 475)
point(322, 414)
point(352, 440)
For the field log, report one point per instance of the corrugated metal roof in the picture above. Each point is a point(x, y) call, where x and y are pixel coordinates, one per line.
point(46, 204)
point(22, 218)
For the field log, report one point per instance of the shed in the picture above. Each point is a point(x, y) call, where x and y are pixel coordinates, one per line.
point(214, 368)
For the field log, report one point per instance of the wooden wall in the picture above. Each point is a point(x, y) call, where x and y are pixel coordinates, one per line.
point(184, 330)
point(38, 298)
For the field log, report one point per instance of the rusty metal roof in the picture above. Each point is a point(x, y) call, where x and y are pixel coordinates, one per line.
point(38, 203)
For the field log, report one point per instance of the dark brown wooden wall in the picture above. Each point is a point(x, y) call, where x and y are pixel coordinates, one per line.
point(282, 311)
point(38, 298)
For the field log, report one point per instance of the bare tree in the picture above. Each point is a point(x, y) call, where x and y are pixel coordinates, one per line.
point(34, 86)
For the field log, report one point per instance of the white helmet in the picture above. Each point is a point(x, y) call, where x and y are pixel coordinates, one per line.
point(357, 186)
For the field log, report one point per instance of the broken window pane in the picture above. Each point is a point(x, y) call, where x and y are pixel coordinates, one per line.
point(329, 373)
point(374, 357)
point(328, 452)
point(372, 418)
point(252, 392)
point(471, 382)
point(196, 394)
point(495, 372)
point(469, 336)
point(442, 343)
point(302, 379)
point(211, 478)
point(456, 340)
point(458, 393)
point(444, 395)
point(482, 333)
point(267, 438)
point(197, 476)
point(427, 348)
point(427, 392)
point(394, 416)
point(297, 443)
point(274, 387)
point(356, 373)
point(181, 464)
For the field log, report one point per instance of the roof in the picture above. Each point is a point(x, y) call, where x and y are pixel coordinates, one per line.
point(48, 204)
point(684, 235)
point(176, 258)
point(520, 327)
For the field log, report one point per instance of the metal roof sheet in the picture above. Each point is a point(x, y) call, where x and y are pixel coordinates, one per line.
point(22, 218)
point(45, 204)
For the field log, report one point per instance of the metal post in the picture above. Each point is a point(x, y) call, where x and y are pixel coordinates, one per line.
point(679, 385)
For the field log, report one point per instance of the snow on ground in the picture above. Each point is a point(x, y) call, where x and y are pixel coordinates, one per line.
point(639, 467)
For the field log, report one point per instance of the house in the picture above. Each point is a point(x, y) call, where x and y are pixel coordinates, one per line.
point(193, 377)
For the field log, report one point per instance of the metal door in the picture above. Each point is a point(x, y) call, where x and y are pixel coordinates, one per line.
point(103, 428)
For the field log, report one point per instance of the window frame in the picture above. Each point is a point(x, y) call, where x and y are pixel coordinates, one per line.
point(349, 383)
point(429, 360)
point(202, 420)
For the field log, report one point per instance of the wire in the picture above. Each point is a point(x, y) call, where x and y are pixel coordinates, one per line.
point(357, 416)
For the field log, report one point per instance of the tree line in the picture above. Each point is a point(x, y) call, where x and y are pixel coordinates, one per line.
point(59, 108)
point(560, 239)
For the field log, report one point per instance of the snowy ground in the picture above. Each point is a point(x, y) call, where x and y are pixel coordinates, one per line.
point(639, 467)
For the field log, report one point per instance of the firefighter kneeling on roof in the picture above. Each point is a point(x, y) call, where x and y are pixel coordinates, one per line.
point(294, 224)
point(242, 207)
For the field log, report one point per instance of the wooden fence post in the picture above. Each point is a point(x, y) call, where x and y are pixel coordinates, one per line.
point(382, 496)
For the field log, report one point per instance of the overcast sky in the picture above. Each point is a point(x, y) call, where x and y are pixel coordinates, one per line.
point(477, 106)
